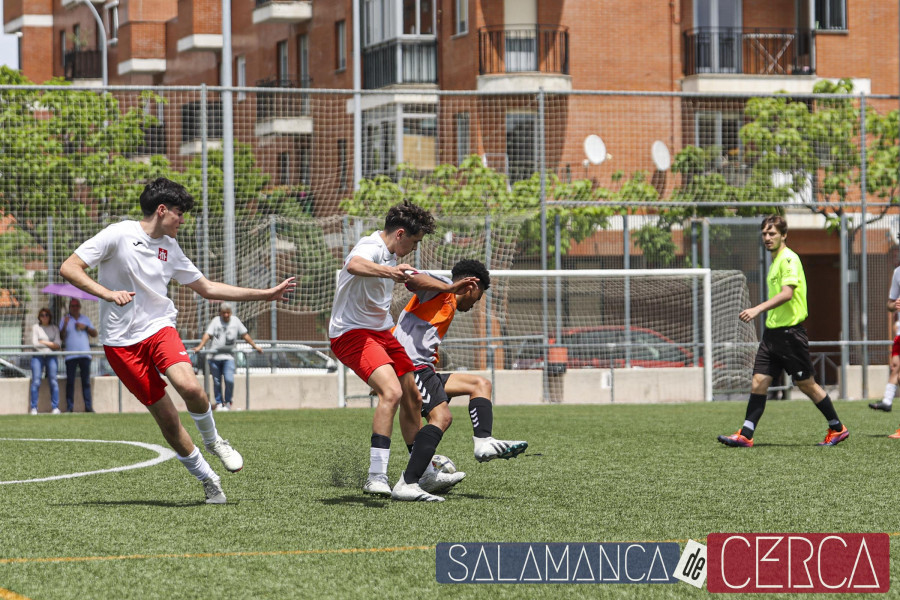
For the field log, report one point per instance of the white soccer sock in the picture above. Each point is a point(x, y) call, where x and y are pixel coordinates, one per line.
point(206, 424)
point(750, 425)
point(889, 391)
point(378, 460)
point(197, 465)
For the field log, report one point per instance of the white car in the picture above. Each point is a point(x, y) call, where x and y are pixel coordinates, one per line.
point(284, 358)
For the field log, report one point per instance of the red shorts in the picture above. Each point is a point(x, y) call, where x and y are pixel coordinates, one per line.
point(895, 349)
point(364, 350)
point(139, 365)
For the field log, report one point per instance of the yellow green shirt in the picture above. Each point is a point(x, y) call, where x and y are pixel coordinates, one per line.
point(787, 270)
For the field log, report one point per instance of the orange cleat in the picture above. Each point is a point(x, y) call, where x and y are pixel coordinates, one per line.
point(895, 435)
point(835, 437)
point(736, 440)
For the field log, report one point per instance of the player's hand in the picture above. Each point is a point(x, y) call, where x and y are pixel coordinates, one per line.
point(402, 272)
point(120, 298)
point(281, 291)
point(258, 349)
point(749, 314)
point(897, 304)
point(464, 285)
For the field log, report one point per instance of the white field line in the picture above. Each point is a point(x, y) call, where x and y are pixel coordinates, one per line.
point(163, 454)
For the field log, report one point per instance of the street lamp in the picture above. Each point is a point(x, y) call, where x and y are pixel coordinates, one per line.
point(102, 30)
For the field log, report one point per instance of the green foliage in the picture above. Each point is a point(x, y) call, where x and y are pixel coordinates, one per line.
point(475, 190)
point(656, 244)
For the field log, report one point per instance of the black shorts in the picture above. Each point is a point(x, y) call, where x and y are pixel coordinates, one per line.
point(784, 349)
point(431, 386)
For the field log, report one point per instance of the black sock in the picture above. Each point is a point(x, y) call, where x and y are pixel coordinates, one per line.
point(409, 448)
point(755, 407)
point(481, 411)
point(381, 441)
point(426, 443)
point(827, 409)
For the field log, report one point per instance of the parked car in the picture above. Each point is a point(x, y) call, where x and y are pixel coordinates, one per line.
point(8, 369)
point(603, 346)
point(285, 358)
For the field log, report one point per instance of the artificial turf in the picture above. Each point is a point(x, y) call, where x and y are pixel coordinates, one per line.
point(297, 525)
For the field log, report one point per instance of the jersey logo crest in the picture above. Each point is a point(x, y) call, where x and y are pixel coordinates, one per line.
point(163, 255)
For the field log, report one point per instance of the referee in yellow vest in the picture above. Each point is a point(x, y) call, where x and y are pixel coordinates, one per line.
point(785, 344)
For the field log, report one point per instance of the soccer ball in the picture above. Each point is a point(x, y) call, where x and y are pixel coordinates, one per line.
point(443, 464)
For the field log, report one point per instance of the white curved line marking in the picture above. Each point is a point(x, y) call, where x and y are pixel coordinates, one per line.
point(163, 454)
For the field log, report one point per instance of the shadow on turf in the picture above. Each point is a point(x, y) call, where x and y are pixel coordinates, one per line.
point(160, 503)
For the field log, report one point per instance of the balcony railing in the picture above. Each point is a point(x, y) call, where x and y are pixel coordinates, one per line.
point(83, 64)
point(282, 104)
point(523, 48)
point(191, 121)
point(759, 51)
point(417, 60)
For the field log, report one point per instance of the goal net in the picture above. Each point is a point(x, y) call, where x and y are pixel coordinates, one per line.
point(573, 320)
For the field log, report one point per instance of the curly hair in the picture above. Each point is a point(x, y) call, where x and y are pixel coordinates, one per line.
point(776, 221)
point(165, 191)
point(410, 217)
point(472, 268)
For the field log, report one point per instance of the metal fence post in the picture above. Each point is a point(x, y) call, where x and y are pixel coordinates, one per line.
point(845, 307)
point(543, 198)
point(864, 249)
point(204, 180)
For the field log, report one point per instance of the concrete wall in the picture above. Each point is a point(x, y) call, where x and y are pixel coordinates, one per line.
point(583, 386)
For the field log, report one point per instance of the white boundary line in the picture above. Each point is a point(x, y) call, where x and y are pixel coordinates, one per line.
point(163, 454)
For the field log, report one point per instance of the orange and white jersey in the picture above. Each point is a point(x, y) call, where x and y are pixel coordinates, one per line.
point(423, 323)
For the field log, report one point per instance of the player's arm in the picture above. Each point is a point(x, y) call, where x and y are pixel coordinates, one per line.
point(786, 293)
point(893, 304)
point(202, 343)
point(362, 267)
point(74, 270)
point(423, 282)
point(250, 341)
point(216, 290)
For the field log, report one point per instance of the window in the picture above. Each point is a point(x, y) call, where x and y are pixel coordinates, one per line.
point(521, 141)
point(716, 129)
point(62, 48)
point(340, 41)
point(462, 137)
point(111, 12)
point(462, 16)
point(281, 56)
point(418, 17)
point(342, 163)
point(304, 152)
point(241, 71)
point(303, 60)
point(831, 14)
point(284, 168)
point(399, 133)
point(378, 21)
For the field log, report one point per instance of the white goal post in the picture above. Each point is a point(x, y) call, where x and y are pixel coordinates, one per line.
point(562, 321)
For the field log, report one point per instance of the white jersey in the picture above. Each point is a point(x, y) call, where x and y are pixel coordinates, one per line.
point(363, 302)
point(895, 285)
point(131, 260)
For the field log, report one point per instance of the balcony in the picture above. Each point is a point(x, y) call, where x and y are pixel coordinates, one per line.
point(83, 64)
point(282, 11)
point(283, 113)
point(753, 54)
point(400, 61)
point(523, 58)
point(192, 127)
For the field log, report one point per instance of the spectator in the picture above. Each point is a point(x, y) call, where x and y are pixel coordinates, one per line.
point(76, 331)
point(45, 339)
point(224, 331)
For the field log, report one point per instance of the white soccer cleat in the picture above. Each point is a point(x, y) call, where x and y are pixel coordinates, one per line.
point(377, 485)
point(411, 492)
point(231, 458)
point(436, 481)
point(488, 448)
point(213, 489)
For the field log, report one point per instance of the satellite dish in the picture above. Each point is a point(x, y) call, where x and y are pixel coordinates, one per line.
point(661, 157)
point(594, 149)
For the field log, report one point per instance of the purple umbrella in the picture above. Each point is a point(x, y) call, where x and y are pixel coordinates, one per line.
point(68, 290)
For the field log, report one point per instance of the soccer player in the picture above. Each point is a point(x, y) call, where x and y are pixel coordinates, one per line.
point(136, 260)
point(420, 328)
point(785, 345)
point(361, 339)
point(890, 389)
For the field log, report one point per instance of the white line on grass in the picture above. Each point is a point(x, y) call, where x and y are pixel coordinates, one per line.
point(163, 454)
